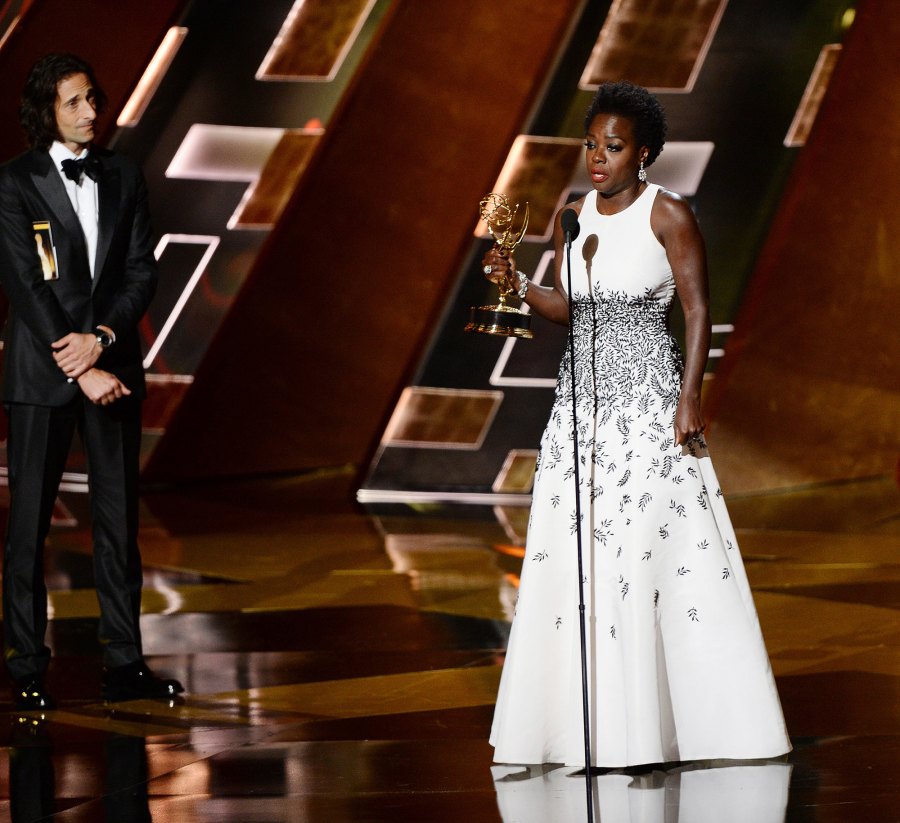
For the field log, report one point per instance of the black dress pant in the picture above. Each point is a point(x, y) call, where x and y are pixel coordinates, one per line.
point(37, 447)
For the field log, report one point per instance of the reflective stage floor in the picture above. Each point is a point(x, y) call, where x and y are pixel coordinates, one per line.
point(342, 666)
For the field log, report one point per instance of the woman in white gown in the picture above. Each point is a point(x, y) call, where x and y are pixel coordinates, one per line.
point(677, 667)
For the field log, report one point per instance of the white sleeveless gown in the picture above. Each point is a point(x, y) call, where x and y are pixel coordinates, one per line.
point(676, 661)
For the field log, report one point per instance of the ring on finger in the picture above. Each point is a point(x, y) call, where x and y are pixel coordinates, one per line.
point(488, 269)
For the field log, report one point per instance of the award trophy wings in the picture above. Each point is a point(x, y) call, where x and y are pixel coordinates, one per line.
point(508, 231)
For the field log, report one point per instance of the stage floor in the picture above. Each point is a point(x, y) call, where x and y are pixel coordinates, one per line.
point(341, 665)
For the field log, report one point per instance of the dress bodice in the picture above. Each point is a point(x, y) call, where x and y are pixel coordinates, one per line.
point(618, 254)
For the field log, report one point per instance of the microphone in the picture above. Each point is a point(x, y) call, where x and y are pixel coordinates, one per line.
point(569, 223)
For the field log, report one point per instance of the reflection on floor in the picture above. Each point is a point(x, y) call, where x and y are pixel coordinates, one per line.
point(342, 666)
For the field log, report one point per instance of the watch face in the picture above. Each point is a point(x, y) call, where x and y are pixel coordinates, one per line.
point(104, 339)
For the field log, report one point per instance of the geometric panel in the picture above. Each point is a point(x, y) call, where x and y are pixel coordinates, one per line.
point(265, 199)
point(168, 306)
point(812, 96)
point(225, 153)
point(164, 394)
point(314, 39)
point(538, 170)
point(500, 376)
point(442, 418)
point(517, 473)
point(660, 44)
point(153, 75)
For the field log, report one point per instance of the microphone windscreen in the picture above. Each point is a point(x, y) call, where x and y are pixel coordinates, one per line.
point(569, 223)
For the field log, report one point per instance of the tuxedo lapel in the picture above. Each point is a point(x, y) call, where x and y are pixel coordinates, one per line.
point(109, 190)
point(50, 187)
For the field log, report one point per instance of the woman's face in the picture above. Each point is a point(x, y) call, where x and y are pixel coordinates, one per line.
point(612, 154)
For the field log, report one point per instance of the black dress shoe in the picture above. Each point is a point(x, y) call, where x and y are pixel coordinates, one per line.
point(135, 681)
point(31, 695)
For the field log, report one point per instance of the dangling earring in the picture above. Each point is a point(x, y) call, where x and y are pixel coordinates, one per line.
point(642, 173)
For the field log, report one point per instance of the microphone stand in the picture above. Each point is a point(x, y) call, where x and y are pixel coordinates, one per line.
point(569, 222)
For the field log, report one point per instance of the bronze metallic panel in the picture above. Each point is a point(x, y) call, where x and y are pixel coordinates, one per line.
point(266, 198)
point(660, 44)
point(373, 234)
point(516, 476)
point(538, 171)
point(442, 418)
point(813, 96)
point(314, 39)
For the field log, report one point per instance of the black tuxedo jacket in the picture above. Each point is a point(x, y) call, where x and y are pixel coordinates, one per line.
point(42, 311)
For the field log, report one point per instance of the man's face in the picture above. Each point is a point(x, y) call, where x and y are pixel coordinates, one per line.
point(75, 112)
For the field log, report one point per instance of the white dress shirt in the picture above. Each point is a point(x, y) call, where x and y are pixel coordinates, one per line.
point(83, 196)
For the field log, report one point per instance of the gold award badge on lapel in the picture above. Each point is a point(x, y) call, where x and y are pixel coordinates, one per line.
point(46, 251)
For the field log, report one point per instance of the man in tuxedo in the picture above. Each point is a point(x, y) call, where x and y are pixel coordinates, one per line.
point(77, 267)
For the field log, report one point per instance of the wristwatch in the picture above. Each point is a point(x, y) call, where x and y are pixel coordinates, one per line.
point(103, 338)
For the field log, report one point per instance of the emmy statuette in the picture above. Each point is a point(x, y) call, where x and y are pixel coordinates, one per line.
point(501, 320)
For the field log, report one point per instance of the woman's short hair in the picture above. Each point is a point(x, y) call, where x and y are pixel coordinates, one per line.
point(624, 99)
point(37, 112)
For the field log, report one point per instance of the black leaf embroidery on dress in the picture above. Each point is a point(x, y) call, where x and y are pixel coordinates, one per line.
point(668, 461)
point(555, 501)
point(729, 544)
point(646, 497)
point(541, 556)
point(626, 499)
point(604, 531)
point(718, 493)
point(610, 468)
point(702, 501)
point(677, 479)
point(656, 597)
point(628, 456)
point(558, 623)
point(664, 531)
point(573, 526)
point(619, 552)
point(612, 632)
point(726, 573)
point(623, 424)
point(624, 590)
point(625, 477)
point(682, 571)
point(678, 508)
point(692, 613)
point(692, 471)
point(555, 454)
point(647, 555)
point(703, 544)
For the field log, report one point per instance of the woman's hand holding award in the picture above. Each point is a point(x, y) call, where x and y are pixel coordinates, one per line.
point(508, 231)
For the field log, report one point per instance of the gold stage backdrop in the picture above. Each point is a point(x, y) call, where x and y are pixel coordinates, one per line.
point(307, 366)
point(810, 386)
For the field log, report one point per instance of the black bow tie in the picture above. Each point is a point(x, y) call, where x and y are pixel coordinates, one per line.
point(76, 169)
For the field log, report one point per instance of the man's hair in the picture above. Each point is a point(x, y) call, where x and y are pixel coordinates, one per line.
point(624, 99)
point(37, 112)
